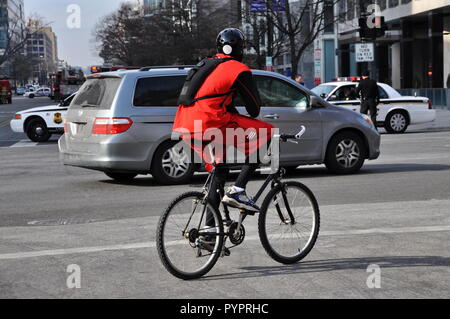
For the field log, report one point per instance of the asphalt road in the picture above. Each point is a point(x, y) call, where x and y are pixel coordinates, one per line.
point(394, 214)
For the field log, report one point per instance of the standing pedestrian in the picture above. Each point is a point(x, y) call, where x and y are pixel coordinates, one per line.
point(370, 97)
point(299, 79)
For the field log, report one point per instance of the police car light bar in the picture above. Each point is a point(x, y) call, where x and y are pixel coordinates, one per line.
point(348, 79)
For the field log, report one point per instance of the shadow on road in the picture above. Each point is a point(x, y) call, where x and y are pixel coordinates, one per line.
point(335, 265)
point(311, 172)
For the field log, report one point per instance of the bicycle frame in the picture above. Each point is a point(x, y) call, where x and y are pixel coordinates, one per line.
point(274, 179)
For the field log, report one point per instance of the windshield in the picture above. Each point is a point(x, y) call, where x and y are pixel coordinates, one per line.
point(98, 93)
point(323, 90)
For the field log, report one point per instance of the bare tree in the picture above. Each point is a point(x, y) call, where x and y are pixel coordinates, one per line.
point(261, 38)
point(180, 33)
point(301, 22)
point(21, 69)
point(17, 34)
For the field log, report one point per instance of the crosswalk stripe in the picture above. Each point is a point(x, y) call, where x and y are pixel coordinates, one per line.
point(4, 123)
point(86, 250)
point(24, 143)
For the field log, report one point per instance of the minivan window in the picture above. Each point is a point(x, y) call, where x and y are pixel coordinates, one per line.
point(97, 93)
point(278, 93)
point(158, 91)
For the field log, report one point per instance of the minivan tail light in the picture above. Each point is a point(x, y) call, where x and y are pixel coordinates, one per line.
point(115, 125)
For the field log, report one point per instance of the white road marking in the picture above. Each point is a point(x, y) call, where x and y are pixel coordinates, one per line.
point(4, 123)
point(24, 143)
point(87, 250)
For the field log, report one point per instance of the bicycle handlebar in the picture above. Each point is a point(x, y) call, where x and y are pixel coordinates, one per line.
point(297, 136)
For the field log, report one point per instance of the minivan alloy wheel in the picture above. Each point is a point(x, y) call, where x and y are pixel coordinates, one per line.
point(175, 162)
point(347, 153)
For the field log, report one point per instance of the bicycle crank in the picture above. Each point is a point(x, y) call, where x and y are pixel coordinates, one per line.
point(236, 236)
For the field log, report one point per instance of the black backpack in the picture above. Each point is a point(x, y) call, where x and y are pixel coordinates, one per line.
point(195, 79)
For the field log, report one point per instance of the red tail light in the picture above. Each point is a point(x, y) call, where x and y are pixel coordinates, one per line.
point(107, 126)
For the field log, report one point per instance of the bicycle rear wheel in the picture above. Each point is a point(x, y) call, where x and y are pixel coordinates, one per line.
point(285, 242)
point(189, 236)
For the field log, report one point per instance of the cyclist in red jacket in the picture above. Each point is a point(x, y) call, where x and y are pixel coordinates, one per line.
point(213, 114)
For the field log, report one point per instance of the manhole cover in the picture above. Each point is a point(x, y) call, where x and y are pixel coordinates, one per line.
point(61, 222)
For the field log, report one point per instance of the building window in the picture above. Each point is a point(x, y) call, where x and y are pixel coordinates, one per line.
point(393, 3)
point(239, 10)
point(262, 27)
point(382, 4)
point(329, 16)
point(350, 9)
point(342, 9)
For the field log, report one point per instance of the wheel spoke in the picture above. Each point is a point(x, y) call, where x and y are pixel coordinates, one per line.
point(180, 241)
point(286, 241)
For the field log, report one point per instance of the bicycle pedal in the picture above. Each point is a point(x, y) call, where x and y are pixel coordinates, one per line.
point(225, 252)
point(246, 212)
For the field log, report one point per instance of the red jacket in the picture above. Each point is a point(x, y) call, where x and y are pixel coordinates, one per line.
point(211, 112)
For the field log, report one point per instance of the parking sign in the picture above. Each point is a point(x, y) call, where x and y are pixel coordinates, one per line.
point(364, 52)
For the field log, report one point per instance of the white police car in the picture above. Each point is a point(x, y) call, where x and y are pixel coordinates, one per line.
point(41, 122)
point(395, 112)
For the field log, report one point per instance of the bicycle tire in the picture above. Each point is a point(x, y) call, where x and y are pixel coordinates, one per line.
point(271, 251)
point(160, 244)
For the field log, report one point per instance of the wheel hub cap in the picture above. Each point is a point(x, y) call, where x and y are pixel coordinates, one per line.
point(175, 162)
point(347, 153)
point(398, 122)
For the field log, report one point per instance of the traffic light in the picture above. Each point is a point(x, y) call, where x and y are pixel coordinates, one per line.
point(376, 30)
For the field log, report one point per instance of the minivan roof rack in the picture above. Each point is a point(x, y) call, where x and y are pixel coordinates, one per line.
point(179, 67)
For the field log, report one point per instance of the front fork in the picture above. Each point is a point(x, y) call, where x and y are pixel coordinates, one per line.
point(283, 187)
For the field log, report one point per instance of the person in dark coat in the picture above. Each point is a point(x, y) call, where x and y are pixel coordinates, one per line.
point(370, 97)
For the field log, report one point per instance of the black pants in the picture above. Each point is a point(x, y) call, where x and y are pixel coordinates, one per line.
point(370, 105)
point(218, 186)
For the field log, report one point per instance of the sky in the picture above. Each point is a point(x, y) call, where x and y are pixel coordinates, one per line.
point(75, 45)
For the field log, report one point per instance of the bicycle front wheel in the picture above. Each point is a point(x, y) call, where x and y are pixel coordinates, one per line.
point(189, 236)
point(289, 240)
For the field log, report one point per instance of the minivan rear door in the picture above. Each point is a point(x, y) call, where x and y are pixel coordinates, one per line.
point(93, 100)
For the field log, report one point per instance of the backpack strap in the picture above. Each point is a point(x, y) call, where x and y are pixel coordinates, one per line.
point(196, 78)
point(212, 96)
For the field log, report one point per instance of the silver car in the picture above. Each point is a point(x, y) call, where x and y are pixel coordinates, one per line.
point(121, 123)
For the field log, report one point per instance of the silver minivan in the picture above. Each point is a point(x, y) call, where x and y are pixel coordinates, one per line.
point(121, 123)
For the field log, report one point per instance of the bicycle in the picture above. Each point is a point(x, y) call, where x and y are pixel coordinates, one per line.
point(192, 223)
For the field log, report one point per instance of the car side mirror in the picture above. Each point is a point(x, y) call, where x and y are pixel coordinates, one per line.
point(323, 95)
point(333, 98)
point(315, 102)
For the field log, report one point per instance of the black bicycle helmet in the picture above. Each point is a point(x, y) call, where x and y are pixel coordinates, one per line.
point(231, 41)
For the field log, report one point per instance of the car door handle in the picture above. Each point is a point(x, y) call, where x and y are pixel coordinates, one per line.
point(272, 116)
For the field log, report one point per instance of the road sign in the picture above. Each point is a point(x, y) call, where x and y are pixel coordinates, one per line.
point(364, 52)
point(269, 61)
